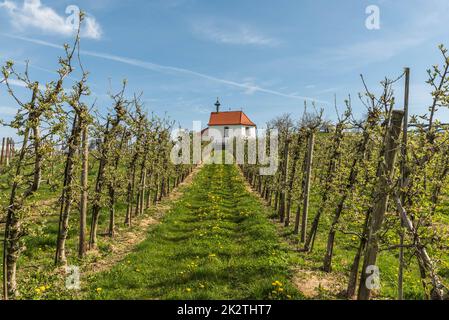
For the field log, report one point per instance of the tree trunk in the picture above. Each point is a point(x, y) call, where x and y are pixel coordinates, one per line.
point(276, 199)
point(2, 156)
point(111, 187)
point(96, 205)
point(352, 282)
point(13, 232)
point(84, 192)
point(297, 219)
point(37, 175)
point(156, 189)
point(380, 206)
point(291, 178)
point(100, 182)
point(359, 156)
point(141, 197)
point(301, 195)
point(162, 189)
point(67, 193)
point(354, 273)
point(148, 196)
point(168, 185)
point(130, 196)
point(329, 181)
point(308, 174)
point(111, 193)
point(282, 196)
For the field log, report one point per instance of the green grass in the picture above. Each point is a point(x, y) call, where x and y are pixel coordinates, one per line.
point(36, 263)
point(215, 243)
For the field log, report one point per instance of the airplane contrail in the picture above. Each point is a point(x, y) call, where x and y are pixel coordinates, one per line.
point(164, 69)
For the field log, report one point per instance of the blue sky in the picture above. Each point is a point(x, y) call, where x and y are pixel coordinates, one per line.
point(264, 57)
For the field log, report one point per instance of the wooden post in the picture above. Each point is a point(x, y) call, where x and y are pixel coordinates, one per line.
point(404, 178)
point(7, 152)
point(2, 157)
point(308, 173)
point(381, 197)
point(13, 150)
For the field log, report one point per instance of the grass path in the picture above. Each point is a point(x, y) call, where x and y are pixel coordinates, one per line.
point(215, 243)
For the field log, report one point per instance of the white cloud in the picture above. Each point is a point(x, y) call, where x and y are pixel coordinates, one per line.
point(230, 33)
point(35, 15)
point(92, 28)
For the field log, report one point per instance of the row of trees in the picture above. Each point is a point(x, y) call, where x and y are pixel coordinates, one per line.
point(380, 180)
point(94, 163)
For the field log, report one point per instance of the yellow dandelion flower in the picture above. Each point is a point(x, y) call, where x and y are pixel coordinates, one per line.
point(188, 289)
point(99, 290)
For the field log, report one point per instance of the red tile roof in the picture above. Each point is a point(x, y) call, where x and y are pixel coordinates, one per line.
point(230, 118)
